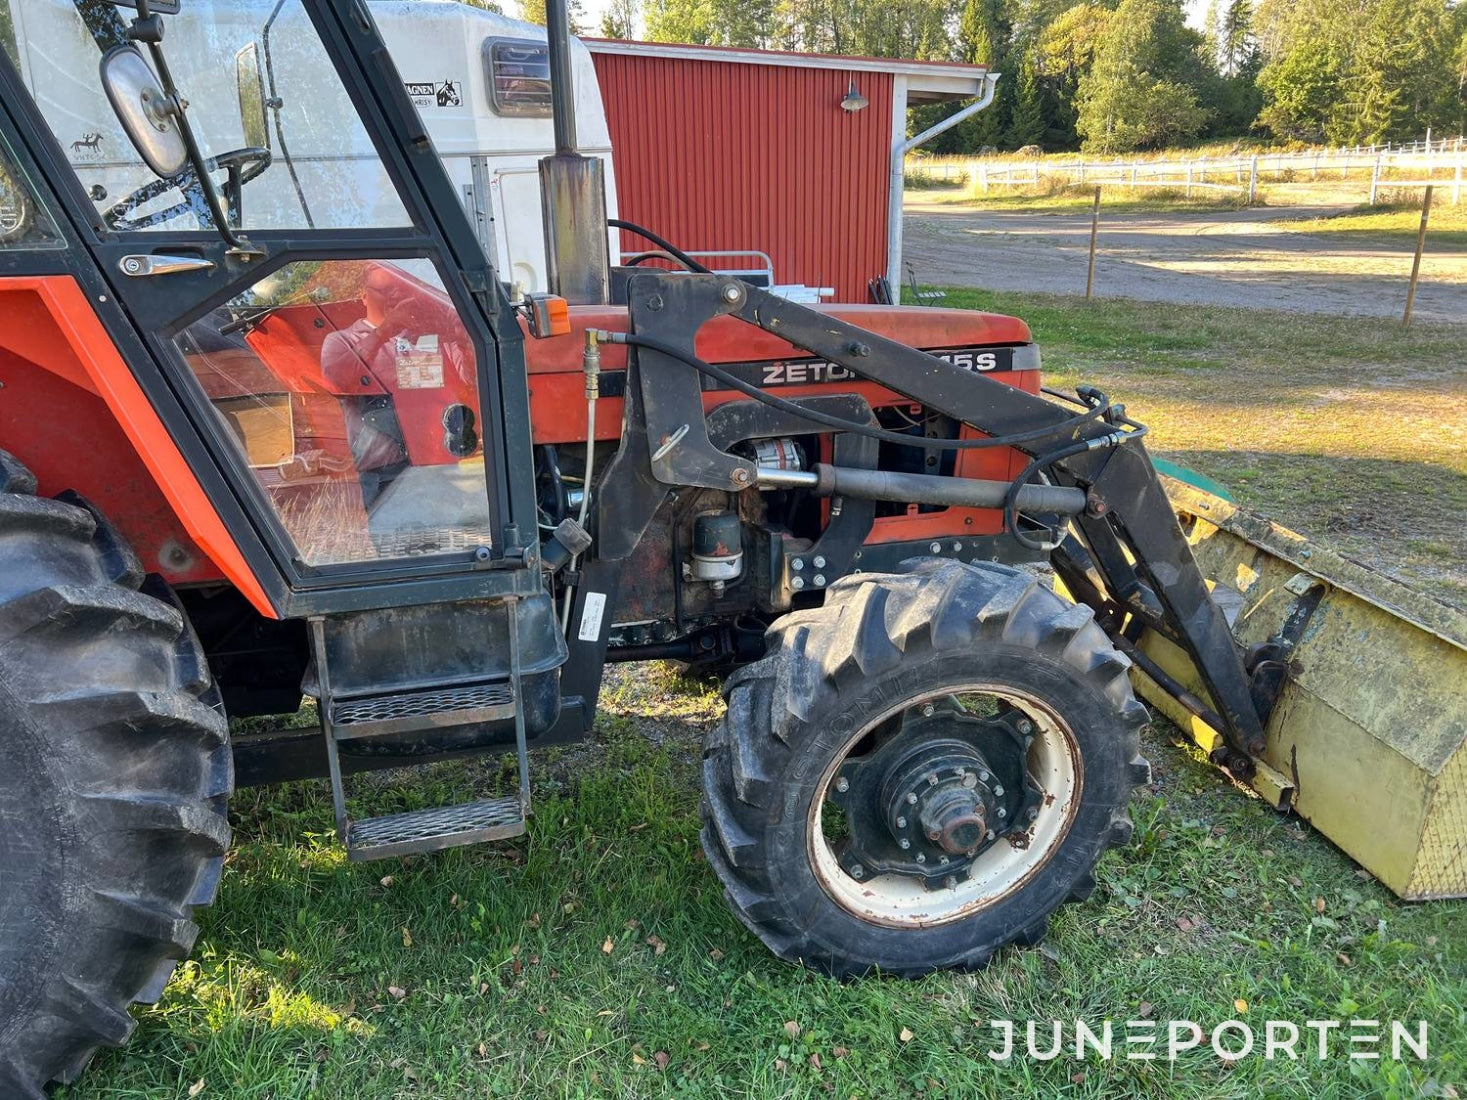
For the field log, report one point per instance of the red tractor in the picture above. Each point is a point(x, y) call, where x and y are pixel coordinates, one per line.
point(246, 459)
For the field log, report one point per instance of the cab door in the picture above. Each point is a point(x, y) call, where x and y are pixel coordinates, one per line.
point(335, 358)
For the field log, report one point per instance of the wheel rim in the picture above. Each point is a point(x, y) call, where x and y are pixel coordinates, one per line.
point(1053, 766)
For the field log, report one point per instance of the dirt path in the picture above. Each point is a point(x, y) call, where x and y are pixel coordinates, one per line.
point(1237, 258)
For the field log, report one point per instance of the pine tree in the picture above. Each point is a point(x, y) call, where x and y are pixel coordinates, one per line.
point(983, 38)
point(1236, 44)
point(1028, 125)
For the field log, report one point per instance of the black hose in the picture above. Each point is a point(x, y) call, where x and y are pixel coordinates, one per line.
point(660, 242)
point(1010, 503)
point(643, 257)
point(841, 424)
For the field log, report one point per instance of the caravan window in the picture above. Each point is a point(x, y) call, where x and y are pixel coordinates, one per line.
point(518, 75)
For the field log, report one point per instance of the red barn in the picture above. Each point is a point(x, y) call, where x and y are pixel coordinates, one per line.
point(795, 155)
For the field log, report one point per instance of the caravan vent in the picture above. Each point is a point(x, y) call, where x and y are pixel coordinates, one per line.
point(518, 74)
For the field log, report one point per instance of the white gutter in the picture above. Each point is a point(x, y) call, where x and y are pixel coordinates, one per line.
point(899, 151)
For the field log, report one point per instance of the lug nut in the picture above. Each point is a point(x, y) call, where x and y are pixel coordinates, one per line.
point(911, 799)
point(943, 860)
point(901, 823)
point(932, 779)
point(1025, 726)
point(904, 844)
point(843, 784)
point(928, 710)
point(936, 548)
point(1002, 812)
point(921, 858)
point(991, 834)
point(950, 881)
point(982, 776)
point(997, 792)
point(857, 871)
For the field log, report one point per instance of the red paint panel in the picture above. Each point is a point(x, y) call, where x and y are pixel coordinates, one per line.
point(716, 155)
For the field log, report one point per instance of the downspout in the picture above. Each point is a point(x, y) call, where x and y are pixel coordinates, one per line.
point(899, 151)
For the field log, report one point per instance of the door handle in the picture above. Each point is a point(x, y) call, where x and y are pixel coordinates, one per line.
point(138, 266)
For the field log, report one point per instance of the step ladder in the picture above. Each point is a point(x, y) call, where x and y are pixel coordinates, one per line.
point(360, 717)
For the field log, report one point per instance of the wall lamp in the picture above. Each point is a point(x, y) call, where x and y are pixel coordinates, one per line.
point(854, 100)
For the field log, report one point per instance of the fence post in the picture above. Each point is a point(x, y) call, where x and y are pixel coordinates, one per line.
point(1457, 182)
point(1374, 180)
point(1189, 179)
point(1415, 263)
point(1094, 231)
point(1253, 181)
point(1133, 175)
point(983, 178)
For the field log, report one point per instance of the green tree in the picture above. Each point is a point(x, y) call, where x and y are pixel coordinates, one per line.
point(533, 11)
point(1143, 90)
point(619, 20)
point(1236, 45)
point(1065, 52)
point(1028, 126)
point(983, 39)
point(1401, 80)
point(712, 22)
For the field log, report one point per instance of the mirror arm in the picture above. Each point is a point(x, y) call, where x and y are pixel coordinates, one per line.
point(148, 28)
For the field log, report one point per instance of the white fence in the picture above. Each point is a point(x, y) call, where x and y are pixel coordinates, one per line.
point(1409, 165)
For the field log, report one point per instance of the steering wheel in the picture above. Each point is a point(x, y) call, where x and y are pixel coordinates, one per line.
point(243, 165)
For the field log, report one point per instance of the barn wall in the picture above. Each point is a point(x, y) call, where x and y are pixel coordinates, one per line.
point(731, 155)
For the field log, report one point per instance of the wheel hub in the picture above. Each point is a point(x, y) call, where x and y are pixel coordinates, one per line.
point(935, 793)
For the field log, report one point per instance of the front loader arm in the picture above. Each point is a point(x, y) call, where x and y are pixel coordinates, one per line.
point(1139, 562)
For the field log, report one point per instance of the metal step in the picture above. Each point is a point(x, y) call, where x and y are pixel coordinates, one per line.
point(435, 829)
point(407, 712)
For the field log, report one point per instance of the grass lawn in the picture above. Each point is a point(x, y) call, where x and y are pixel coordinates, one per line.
point(1073, 199)
point(1395, 224)
point(596, 957)
point(1348, 430)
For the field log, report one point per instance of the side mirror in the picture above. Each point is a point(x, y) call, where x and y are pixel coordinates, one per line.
point(251, 86)
point(145, 112)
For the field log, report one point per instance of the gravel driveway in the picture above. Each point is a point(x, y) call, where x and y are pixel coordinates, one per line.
point(1237, 258)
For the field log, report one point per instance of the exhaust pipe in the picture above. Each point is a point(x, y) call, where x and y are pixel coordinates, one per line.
point(572, 187)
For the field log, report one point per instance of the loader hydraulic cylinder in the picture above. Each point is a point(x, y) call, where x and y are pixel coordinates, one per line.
point(903, 488)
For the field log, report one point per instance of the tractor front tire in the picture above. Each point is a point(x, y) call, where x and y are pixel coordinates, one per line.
point(921, 770)
point(114, 775)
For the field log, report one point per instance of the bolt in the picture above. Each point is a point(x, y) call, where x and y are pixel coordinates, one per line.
point(921, 858)
point(797, 564)
point(1002, 812)
point(858, 349)
point(936, 548)
point(732, 293)
point(982, 776)
point(970, 781)
point(819, 562)
point(1026, 727)
point(957, 546)
point(991, 834)
point(904, 844)
point(911, 799)
point(857, 871)
point(843, 784)
point(933, 834)
point(928, 710)
point(932, 779)
point(1033, 813)
point(655, 303)
point(819, 580)
point(997, 792)
point(943, 860)
point(950, 881)
point(901, 823)
point(798, 583)
point(741, 476)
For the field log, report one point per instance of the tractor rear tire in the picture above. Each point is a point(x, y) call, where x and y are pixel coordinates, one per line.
point(114, 777)
point(886, 649)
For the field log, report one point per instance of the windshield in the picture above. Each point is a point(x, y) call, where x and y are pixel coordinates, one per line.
point(264, 101)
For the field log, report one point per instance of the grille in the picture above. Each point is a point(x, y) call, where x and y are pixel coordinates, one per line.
point(419, 704)
point(439, 827)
